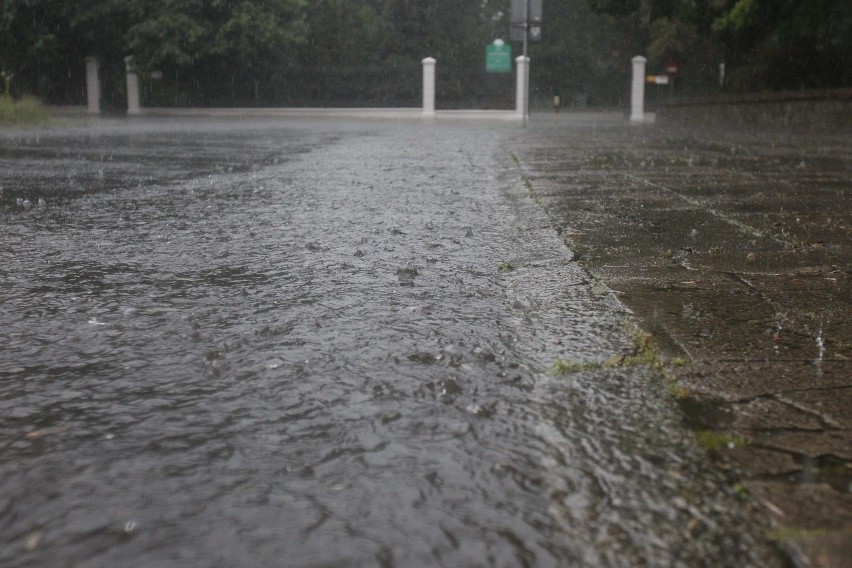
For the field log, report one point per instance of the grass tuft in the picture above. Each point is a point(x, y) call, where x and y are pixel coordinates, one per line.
point(714, 441)
point(644, 352)
point(566, 366)
point(23, 111)
point(677, 391)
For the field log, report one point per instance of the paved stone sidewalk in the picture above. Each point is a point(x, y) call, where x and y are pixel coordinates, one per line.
point(732, 247)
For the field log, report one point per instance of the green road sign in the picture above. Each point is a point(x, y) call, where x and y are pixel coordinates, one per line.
point(498, 57)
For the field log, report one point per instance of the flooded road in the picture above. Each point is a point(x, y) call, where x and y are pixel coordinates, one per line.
point(301, 344)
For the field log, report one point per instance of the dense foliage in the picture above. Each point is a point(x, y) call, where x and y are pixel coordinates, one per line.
point(255, 52)
point(199, 42)
point(789, 43)
point(765, 44)
point(25, 110)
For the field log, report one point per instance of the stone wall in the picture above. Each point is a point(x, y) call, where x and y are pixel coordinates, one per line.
point(806, 110)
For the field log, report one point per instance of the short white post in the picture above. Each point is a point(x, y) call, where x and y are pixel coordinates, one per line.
point(93, 86)
point(132, 86)
point(522, 65)
point(637, 91)
point(429, 86)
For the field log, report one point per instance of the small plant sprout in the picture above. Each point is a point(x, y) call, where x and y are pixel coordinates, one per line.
point(644, 353)
point(715, 441)
point(567, 366)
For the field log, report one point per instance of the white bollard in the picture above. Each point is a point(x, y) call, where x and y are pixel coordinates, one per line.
point(637, 90)
point(429, 86)
point(132, 86)
point(522, 67)
point(93, 86)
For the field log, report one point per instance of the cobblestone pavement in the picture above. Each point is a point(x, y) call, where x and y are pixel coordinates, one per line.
point(731, 246)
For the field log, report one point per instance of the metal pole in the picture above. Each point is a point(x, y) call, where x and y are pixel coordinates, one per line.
point(526, 108)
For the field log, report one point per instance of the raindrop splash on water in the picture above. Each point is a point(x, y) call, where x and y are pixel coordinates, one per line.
point(820, 342)
point(323, 378)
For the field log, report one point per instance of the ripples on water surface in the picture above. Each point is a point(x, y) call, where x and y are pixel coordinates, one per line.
point(250, 344)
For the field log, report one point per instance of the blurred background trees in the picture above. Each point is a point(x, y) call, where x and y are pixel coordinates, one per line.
point(765, 44)
point(787, 44)
point(368, 52)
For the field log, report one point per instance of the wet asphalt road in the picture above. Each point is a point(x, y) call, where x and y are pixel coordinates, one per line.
point(291, 344)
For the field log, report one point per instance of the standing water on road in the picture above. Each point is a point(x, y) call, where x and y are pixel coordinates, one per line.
point(292, 344)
